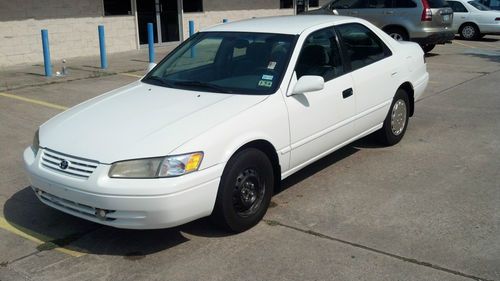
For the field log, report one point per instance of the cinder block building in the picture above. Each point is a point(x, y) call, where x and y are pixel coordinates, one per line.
point(72, 24)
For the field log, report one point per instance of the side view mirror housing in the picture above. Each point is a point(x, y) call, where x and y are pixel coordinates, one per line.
point(308, 83)
point(151, 65)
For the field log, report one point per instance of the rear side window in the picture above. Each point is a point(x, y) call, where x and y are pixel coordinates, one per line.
point(362, 47)
point(437, 3)
point(347, 4)
point(457, 7)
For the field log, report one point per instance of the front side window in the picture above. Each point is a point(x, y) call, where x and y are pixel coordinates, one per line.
point(361, 45)
point(226, 62)
point(457, 7)
point(320, 56)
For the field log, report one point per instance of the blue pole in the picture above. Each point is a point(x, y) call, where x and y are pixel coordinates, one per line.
point(151, 43)
point(46, 53)
point(191, 28)
point(191, 33)
point(224, 20)
point(102, 47)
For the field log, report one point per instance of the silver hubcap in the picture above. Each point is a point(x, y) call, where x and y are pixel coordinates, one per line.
point(396, 36)
point(468, 31)
point(398, 117)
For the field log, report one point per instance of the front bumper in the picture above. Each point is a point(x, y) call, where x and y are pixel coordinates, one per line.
point(126, 203)
point(435, 38)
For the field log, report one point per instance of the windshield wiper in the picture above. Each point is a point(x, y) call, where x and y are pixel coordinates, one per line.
point(203, 85)
point(158, 80)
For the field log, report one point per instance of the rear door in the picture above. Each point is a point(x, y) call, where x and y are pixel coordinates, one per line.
point(460, 14)
point(374, 73)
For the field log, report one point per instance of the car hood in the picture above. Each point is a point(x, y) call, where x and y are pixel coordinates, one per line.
point(138, 121)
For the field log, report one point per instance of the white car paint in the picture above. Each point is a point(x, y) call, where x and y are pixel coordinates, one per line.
point(484, 20)
point(142, 120)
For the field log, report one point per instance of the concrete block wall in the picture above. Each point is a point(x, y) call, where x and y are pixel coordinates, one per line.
point(210, 18)
point(72, 29)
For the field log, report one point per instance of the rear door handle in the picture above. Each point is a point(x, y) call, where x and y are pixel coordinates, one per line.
point(347, 93)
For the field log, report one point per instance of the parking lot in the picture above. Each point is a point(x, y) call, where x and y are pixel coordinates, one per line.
point(425, 209)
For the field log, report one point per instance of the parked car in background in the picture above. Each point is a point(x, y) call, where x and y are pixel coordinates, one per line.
point(427, 22)
point(215, 126)
point(474, 20)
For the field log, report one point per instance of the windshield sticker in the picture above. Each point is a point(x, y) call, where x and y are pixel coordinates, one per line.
point(265, 83)
point(271, 65)
point(267, 77)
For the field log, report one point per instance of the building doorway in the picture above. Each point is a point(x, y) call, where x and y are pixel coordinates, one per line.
point(164, 14)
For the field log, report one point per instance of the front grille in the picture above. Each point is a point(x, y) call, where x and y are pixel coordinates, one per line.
point(68, 165)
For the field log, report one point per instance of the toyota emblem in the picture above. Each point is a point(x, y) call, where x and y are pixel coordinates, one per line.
point(63, 165)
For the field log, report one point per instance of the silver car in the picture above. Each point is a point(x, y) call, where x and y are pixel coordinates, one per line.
point(427, 22)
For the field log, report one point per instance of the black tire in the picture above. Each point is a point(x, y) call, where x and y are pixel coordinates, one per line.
point(245, 191)
point(469, 31)
point(427, 48)
point(390, 135)
point(397, 33)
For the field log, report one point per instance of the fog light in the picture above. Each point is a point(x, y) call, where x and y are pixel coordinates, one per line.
point(39, 192)
point(101, 214)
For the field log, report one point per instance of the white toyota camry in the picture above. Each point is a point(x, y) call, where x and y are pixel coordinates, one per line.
point(215, 126)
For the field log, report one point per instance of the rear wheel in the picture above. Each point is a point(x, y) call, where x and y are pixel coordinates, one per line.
point(469, 31)
point(396, 121)
point(397, 33)
point(245, 191)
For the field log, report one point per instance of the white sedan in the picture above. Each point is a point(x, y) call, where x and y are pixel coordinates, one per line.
point(473, 20)
point(215, 126)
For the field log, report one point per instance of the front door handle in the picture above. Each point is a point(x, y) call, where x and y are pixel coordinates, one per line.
point(347, 93)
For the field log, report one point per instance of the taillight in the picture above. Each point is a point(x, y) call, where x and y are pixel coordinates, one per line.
point(426, 13)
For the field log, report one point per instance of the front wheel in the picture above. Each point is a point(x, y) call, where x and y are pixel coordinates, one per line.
point(396, 121)
point(245, 191)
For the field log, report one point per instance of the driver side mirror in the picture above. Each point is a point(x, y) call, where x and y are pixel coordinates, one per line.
point(308, 83)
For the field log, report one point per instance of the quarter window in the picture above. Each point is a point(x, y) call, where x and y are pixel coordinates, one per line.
point(362, 46)
point(320, 56)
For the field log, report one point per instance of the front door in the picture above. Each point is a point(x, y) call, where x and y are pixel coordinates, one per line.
point(320, 121)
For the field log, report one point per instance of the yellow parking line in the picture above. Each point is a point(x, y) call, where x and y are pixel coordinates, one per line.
point(488, 45)
point(466, 45)
point(130, 74)
point(39, 102)
point(34, 237)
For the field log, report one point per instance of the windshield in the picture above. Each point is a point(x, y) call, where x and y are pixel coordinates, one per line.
point(226, 62)
point(479, 6)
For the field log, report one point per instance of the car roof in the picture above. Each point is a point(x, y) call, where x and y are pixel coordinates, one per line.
point(281, 24)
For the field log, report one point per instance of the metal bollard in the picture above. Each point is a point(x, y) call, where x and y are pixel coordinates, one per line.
point(151, 43)
point(191, 33)
point(46, 53)
point(102, 47)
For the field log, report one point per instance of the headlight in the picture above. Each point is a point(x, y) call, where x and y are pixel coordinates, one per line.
point(159, 167)
point(36, 143)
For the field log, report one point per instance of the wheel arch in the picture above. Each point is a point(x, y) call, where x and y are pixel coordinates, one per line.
point(471, 23)
point(267, 148)
point(389, 26)
point(408, 87)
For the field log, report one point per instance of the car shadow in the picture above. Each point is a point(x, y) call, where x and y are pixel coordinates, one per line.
point(484, 39)
point(56, 229)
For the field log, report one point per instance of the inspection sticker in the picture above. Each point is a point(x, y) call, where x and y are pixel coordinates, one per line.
point(265, 83)
point(271, 65)
point(267, 77)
